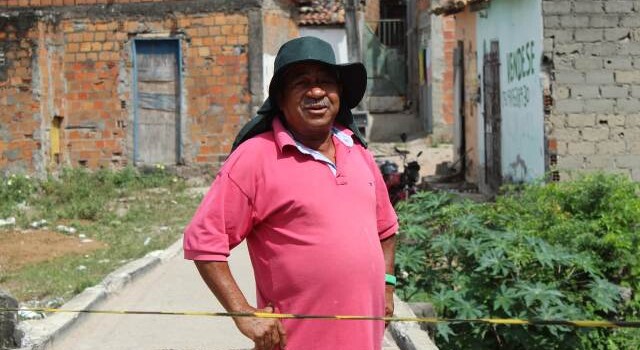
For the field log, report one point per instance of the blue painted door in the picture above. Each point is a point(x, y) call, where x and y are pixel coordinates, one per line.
point(157, 135)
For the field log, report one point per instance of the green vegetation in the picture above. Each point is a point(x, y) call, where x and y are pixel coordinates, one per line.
point(541, 251)
point(130, 212)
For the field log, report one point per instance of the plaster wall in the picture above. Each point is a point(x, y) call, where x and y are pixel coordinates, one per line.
point(279, 26)
point(517, 25)
point(337, 37)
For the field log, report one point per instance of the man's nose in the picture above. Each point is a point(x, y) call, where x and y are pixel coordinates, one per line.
point(316, 91)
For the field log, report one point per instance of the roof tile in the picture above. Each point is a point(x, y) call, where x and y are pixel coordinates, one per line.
point(320, 12)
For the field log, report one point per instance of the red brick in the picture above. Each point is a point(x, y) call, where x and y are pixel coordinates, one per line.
point(553, 145)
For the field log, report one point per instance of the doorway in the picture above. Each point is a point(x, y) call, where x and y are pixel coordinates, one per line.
point(157, 102)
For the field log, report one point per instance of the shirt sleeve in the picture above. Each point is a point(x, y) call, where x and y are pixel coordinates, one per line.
point(222, 221)
point(386, 217)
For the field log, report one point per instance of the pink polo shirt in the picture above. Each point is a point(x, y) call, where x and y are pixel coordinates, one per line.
point(313, 237)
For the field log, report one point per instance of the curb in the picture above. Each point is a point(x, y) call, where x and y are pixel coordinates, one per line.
point(40, 334)
point(409, 335)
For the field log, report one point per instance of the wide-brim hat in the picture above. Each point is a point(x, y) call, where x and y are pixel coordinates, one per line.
point(352, 77)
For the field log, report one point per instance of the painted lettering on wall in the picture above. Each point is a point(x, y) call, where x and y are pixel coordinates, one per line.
point(518, 97)
point(521, 62)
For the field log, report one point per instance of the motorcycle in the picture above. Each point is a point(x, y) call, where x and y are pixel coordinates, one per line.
point(401, 185)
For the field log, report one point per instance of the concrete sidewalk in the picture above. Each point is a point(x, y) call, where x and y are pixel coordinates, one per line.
point(172, 286)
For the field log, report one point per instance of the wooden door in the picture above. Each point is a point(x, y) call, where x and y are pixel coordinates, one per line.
point(492, 118)
point(157, 135)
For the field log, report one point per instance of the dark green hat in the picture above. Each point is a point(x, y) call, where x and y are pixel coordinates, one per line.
point(352, 76)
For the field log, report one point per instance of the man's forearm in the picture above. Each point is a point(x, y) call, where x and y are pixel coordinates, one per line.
point(217, 275)
point(389, 251)
point(265, 333)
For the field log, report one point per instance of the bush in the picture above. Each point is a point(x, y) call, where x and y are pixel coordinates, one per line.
point(14, 189)
point(510, 259)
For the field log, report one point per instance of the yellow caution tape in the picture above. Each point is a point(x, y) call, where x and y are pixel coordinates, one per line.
point(496, 321)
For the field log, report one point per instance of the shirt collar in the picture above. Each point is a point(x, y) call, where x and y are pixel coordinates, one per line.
point(283, 137)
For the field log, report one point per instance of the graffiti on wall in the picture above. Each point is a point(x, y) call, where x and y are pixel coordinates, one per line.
point(520, 65)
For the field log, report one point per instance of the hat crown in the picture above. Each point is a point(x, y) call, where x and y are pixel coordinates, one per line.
point(306, 48)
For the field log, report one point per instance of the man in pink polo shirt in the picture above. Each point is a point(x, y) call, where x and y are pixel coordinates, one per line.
point(307, 196)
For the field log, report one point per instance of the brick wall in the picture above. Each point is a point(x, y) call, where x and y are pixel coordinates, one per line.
point(79, 68)
point(372, 11)
point(20, 119)
point(442, 43)
point(41, 3)
point(594, 123)
point(450, 44)
point(216, 82)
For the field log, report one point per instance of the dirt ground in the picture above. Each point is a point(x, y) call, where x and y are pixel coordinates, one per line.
point(21, 248)
point(428, 160)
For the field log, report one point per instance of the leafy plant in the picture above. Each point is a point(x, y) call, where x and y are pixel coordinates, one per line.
point(598, 213)
point(485, 260)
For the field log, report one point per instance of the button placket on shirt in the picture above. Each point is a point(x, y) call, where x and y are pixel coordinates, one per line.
point(342, 152)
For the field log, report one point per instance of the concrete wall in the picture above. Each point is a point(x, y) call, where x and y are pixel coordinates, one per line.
point(75, 62)
point(279, 26)
point(594, 50)
point(424, 101)
point(337, 37)
point(517, 25)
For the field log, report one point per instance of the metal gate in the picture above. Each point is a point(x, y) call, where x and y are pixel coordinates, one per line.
point(386, 65)
point(157, 102)
point(492, 117)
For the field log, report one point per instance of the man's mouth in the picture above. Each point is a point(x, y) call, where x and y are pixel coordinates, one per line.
point(316, 106)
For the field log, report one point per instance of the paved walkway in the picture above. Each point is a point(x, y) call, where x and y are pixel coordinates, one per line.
point(173, 286)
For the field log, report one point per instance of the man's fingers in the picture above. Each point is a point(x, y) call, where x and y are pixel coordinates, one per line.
point(275, 338)
point(268, 309)
point(264, 342)
point(283, 335)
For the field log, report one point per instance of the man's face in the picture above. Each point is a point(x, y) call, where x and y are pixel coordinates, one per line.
point(310, 98)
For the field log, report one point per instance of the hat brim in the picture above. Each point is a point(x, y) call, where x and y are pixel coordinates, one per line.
point(353, 78)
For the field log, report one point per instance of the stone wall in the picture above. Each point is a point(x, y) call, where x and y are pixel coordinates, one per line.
point(593, 50)
point(74, 63)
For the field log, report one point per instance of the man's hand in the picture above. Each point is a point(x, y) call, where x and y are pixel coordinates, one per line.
point(388, 307)
point(388, 249)
point(266, 333)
